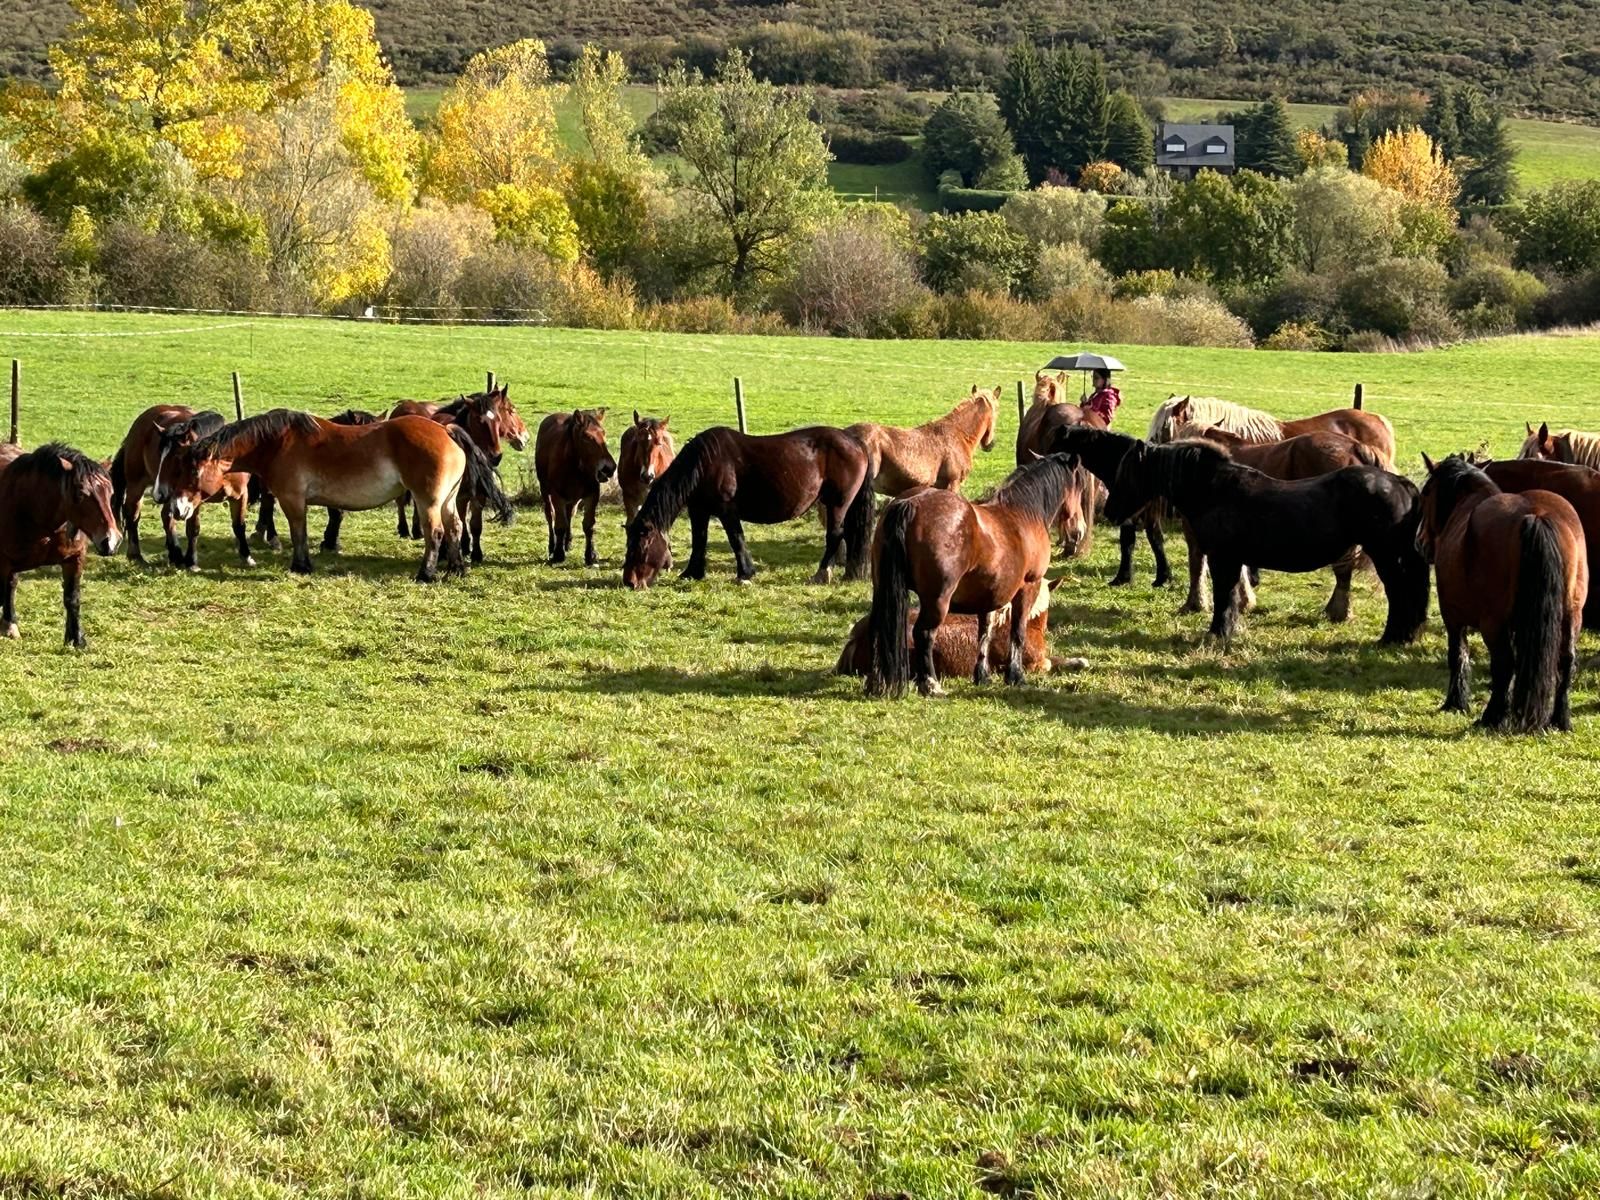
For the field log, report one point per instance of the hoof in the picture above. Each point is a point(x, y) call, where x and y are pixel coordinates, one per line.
point(822, 577)
point(1453, 706)
point(1161, 581)
point(1069, 664)
point(744, 580)
point(427, 577)
point(1338, 615)
point(192, 568)
point(78, 643)
point(591, 560)
point(477, 557)
point(300, 568)
point(1119, 581)
point(248, 562)
point(931, 689)
point(11, 631)
point(1014, 678)
point(1192, 606)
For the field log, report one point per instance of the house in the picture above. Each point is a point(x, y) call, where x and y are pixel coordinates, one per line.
point(1181, 150)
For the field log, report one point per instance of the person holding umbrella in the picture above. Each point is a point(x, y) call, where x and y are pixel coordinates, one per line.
point(1105, 399)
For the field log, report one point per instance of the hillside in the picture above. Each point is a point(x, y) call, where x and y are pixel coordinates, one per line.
point(1539, 58)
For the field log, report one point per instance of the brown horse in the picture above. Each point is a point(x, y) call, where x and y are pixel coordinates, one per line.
point(572, 462)
point(487, 417)
point(955, 642)
point(963, 557)
point(1368, 428)
point(737, 477)
point(1304, 456)
point(936, 454)
point(1514, 568)
point(54, 503)
point(647, 451)
point(154, 434)
point(1571, 446)
point(1579, 487)
point(304, 460)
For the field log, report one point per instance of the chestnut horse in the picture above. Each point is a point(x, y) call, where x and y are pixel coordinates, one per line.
point(1581, 449)
point(1579, 487)
point(646, 451)
point(737, 477)
point(572, 462)
point(961, 557)
point(487, 417)
point(304, 460)
point(154, 434)
point(935, 454)
point(955, 642)
point(54, 503)
point(1304, 456)
point(1514, 568)
point(1253, 425)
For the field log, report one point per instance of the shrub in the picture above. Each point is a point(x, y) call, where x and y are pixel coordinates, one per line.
point(1137, 284)
point(1103, 177)
point(789, 53)
point(503, 282)
point(1495, 299)
point(953, 198)
point(1560, 228)
point(1394, 296)
point(851, 279)
point(969, 251)
point(431, 245)
point(1066, 268)
point(31, 271)
point(159, 270)
point(1087, 314)
point(965, 134)
point(1572, 301)
point(1298, 335)
point(1193, 321)
point(868, 149)
point(1055, 216)
point(709, 314)
point(1301, 299)
point(589, 301)
point(1006, 175)
point(891, 110)
point(1128, 240)
point(976, 315)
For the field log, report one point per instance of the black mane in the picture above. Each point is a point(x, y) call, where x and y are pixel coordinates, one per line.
point(202, 424)
point(355, 416)
point(670, 493)
point(1101, 450)
point(46, 464)
point(457, 408)
point(1454, 478)
point(1037, 487)
point(1177, 463)
point(222, 443)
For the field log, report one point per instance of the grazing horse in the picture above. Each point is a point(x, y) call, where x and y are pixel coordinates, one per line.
point(1243, 518)
point(1304, 456)
point(156, 433)
point(1253, 425)
point(936, 454)
point(304, 460)
point(1571, 446)
point(54, 503)
point(572, 463)
point(1050, 413)
point(646, 452)
point(955, 642)
point(963, 557)
point(737, 477)
point(1579, 487)
point(1514, 568)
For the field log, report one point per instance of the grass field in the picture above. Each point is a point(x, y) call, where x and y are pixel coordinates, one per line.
point(530, 885)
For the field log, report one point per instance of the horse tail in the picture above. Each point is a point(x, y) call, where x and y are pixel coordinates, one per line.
point(891, 607)
point(1367, 456)
point(858, 527)
point(1536, 616)
point(119, 481)
point(481, 480)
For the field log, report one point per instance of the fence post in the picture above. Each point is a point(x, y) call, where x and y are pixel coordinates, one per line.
point(1021, 408)
point(489, 388)
point(1358, 396)
point(738, 402)
point(238, 398)
point(16, 401)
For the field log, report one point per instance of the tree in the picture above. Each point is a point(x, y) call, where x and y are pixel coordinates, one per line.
point(975, 250)
point(1076, 109)
point(1370, 114)
point(1559, 227)
point(1021, 102)
point(1315, 149)
point(1487, 161)
point(967, 135)
point(1408, 161)
point(1129, 240)
point(609, 130)
point(496, 126)
point(1130, 142)
point(1265, 139)
point(757, 167)
point(1235, 229)
point(1057, 216)
point(1342, 219)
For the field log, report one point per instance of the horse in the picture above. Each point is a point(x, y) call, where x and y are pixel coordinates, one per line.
point(1579, 487)
point(1253, 425)
point(155, 434)
point(646, 451)
point(955, 642)
point(305, 460)
point(965, 558)
point(330, 536)
point(572, 463)
point(487, 417)
point(1243, 518)
point(767, 479)
point(1050, 413)
point(55, 502)
point(1304, 456)
point(1571, 446)
point(1514, 568)
point(935, 454)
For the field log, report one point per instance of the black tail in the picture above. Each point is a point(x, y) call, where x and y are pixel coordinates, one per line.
point(858, 528)
point(119, 482)
point(1536, 618)
point(891, 606)
point(481, 481)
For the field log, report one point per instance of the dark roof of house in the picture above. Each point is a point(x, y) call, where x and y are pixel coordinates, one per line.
point(1201, 145)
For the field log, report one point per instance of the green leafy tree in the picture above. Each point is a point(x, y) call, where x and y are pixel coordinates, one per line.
point(1129, 239)
point(1130, 142)
point(975, 250)
point(1559, 227)
point(966, 134)
point(1234, 230)
point(1342, 219)
point(756, 167)
point(1265, 139)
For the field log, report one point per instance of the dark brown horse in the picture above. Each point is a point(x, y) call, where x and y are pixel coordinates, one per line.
point(961, 557)
point(54, 504)
point(304, 460)
point(154, 434)
point(1579, 487)
point(572, 463)
point(737, 477)
point(1514, 568)
point(646, 452)
point(488, 417)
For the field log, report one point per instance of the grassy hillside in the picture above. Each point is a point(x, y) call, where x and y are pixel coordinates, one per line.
point(530, 884)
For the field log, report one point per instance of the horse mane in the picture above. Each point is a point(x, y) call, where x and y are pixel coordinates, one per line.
point(457, 408)
point(1585, 447)
point(1176, 463)
point(960, 414)
point(200, 425)
point(1249, 423)
point(1450, 479)
point(355, 416)
point(55, 465)
point(227, 441)
point(1035, 487)
point(670, 493)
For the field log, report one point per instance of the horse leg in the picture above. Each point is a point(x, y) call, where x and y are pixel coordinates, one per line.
point(295, 512)
point(432, 538)
point(330, 535)
point(1561, 718)
point(1247, 591)
point(923, 632)
point(567, 509)
point(1126, 535)
point(552, 547)
point(8, 603)
point(1019, 635)
point(475, 529)
point(1500, 672)
point(1338, 607)
point(401, 529)
point(267, 524)
point(416, 519)
point(1196, 602)
point(1458, 696)
point(699, 535)
point(833, 526)
point(1225, 599)
point(191, 557)
point(744, 565)
point(980, 669)
point(450, 541)
point(590, 503)
point(71, 592)
point(1157, 538)
point(130, 524)
point(170, 526)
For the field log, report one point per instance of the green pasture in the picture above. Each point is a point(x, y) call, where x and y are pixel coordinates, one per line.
point(529, 885)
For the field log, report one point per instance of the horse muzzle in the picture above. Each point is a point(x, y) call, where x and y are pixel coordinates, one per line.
point(605, 471)
point(182, 507)
point(107, 546)
point(519, 444)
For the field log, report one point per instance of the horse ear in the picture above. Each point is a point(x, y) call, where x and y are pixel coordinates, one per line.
point(1428, 462)
point(636, 418)
point(665, 421)
point(1544, 431)
point(1528, 425)
point(66, 464)
point(1033, 455)
point(1073, 462)
point(600, 414)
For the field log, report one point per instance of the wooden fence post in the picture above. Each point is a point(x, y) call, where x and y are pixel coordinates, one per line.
point(16, 401)
point(1358, 396)
point(738, 402)
point(238, 398)
point(489, 387)
point(1021, 408)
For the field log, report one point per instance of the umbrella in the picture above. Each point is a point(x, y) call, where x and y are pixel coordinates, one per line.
point(1086, 361)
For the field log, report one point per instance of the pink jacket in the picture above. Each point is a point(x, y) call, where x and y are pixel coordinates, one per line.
point(1105, 402)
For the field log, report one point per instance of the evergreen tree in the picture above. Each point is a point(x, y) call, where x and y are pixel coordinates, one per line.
point(1130, 143)
point(1021, 96)
point(1440, 124)
point(1489, 162)
point(1077, 100)
point(1265, 139)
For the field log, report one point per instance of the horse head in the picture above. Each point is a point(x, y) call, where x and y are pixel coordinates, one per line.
point(990, 400)
point(592, 457)
point(1130, 489)
point(484, 426)
point(510, 420)
point(649, 554)
point(1048, 388)
point(1540, 444)
point(86, 500)
point(651, 444)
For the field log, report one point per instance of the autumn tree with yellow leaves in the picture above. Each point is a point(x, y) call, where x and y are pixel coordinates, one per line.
point(1408, 161)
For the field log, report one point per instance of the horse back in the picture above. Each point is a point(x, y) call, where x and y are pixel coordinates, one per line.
point(1479, 556)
